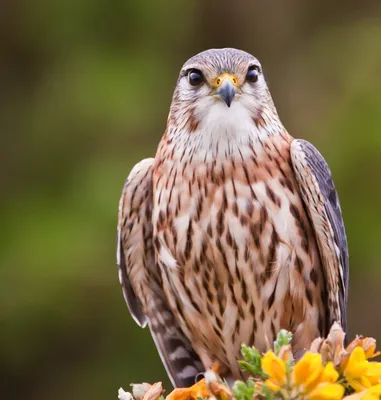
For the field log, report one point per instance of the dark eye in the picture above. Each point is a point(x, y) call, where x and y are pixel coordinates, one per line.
point(195, 77)
point(252, 73)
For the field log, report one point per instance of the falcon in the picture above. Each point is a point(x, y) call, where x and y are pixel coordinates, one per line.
point(233, 230)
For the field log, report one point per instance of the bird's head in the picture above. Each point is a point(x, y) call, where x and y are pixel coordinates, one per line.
point(219, 87)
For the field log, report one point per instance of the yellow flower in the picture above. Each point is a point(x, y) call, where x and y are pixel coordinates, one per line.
point(330, 375)
point(314, 381)
point(372, 393)
point(307, 371)
point(357, 364)
point(275, 368)
point(327, 391)
point(360, 373)
point(368, 344)
point(374, 369)
point(313, 378)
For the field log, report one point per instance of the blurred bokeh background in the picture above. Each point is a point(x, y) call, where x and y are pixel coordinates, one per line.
point(84, 95)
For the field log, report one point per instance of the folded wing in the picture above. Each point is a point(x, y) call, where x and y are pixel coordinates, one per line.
point(141, 280)
point(322, 203)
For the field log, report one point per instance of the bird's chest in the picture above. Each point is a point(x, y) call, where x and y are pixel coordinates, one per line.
point(225, 213)
point(228, 238)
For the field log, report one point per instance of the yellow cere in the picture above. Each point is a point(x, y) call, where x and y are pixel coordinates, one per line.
point(225, 76)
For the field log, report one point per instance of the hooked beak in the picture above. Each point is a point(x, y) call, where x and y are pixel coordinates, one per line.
point(226, 88)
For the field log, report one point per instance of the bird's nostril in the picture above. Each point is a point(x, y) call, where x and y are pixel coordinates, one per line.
point(218, 81)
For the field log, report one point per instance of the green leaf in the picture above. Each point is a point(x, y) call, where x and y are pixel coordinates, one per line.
point(267, 393)
point(283, 339)
point(252, 361)
point(243, 391)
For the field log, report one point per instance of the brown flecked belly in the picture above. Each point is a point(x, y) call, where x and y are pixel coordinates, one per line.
point(239, 260)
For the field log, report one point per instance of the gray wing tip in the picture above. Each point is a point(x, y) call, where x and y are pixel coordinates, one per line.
point(181, 362)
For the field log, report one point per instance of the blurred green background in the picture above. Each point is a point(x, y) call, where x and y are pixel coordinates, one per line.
point(84, 95)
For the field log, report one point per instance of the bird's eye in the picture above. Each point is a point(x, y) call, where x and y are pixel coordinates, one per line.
point(195, 77)
point(252, 73)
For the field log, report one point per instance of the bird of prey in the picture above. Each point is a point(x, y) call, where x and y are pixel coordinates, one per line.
point(233, 230)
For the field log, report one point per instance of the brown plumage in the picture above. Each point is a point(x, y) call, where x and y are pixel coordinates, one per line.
point(234, 230)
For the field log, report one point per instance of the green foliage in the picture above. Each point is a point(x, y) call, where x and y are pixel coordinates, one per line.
point(283, 339)
point(267, 393)
point(252, 361)
point(243, 391)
